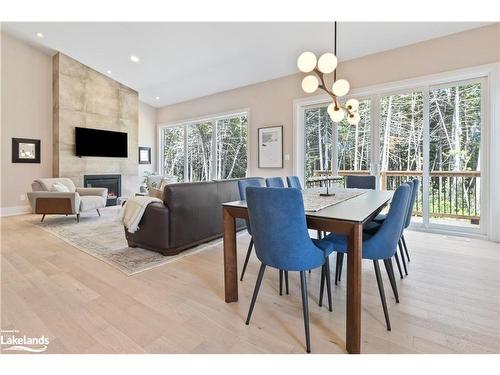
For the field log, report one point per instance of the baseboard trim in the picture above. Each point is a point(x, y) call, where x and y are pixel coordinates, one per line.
point(16, 210)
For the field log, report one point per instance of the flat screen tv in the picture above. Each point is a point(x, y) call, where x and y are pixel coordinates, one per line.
point(96, 142)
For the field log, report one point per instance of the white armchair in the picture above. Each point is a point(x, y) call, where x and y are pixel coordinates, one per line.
point(60, 196)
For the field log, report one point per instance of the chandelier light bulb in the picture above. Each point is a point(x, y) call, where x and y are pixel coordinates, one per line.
point(306, 62)
point(310, 83)
point(336, 114)
point(353, 118)
point(340, 87)
point(352, 105)
point(327, 63)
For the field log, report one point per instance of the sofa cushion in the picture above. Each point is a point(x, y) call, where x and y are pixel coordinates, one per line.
point(91, 202)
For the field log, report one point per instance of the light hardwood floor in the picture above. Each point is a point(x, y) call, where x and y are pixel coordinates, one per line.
point(450, 302)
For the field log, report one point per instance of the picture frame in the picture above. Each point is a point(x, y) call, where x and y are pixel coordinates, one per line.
point(25, 150)
point(270, 143)
point(144, 155)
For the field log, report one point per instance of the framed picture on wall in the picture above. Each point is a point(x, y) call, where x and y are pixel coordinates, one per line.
point(25, 150)
point(144, 155)
point(270, 153)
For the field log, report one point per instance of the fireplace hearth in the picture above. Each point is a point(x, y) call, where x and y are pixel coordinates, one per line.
point(113, 182)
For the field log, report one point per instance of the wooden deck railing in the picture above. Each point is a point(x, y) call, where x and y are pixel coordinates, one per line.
point(452, 194)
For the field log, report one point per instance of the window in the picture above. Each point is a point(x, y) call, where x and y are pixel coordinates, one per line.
point(353, 141)
point(215, 148)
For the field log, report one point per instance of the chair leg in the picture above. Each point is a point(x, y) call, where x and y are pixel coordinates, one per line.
point(43, 217)
point(77, 218)
point(337, 262)
point(281, 282)
point(340, 260)
point(396, 256)
point(256, 291)
point(406, 248)
point(382, 293)
point(249, 251)
point(392, 279)
point(286, 282)
point(305, 309)
point(322, 285)
point(402, 257)
point(98, 212)
point(328, 283)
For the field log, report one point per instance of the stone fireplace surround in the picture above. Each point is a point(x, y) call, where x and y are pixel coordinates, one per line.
point(83, 97)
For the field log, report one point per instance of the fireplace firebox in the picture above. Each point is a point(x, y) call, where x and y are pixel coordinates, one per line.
point(113, 182)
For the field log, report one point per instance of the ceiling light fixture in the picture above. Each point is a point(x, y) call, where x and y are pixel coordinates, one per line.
point(134, 58)
point(40, 35)
point(157, 98)
point(109, 72)
point(327, 63)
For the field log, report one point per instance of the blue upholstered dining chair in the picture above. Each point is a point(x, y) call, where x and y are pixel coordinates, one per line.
point(242, 185)
point(360, 182)
point(276, 182)
point(294, 182)
point(282, 240)
point(383, 244)
point(414, 185)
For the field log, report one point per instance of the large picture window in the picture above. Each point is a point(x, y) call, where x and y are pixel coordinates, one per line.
point(214, 148)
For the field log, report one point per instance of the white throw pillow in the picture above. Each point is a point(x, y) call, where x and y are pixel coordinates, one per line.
point(60, 187)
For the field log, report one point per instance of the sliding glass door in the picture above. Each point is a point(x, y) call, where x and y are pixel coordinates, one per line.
point(432, 133)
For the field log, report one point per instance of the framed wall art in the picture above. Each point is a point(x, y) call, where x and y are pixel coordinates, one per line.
point(25, 150)
point(270, 147)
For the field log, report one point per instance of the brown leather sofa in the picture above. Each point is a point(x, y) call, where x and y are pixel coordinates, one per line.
point(191, 213)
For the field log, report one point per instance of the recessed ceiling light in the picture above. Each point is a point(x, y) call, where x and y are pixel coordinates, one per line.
point(157, 98)
point(134, 58)
point(40, 35)
point(109, 72)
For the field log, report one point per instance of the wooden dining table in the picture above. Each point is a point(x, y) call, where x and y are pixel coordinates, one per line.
point(347, 218)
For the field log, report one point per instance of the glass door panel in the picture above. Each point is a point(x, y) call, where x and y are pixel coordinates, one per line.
point(354, 142)
point(318, 142)
point(401, 142)
point(454, 160)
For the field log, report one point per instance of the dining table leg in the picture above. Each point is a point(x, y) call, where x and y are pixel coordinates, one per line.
point(353, 315)
point(230, 261)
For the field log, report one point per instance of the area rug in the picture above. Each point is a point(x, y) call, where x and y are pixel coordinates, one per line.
point(104, 238)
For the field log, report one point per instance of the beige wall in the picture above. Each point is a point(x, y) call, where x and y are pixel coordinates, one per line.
point(147, 135)
point(26, 90)
point(271, 102)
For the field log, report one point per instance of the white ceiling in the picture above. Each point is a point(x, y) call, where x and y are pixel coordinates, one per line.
point(182, 61)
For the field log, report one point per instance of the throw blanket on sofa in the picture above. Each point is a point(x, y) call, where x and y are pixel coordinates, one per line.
point(133, 210)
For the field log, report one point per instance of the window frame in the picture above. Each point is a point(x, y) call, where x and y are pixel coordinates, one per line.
point(214, 118)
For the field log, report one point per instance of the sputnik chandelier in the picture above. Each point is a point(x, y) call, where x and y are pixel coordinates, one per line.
point(326, 64)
